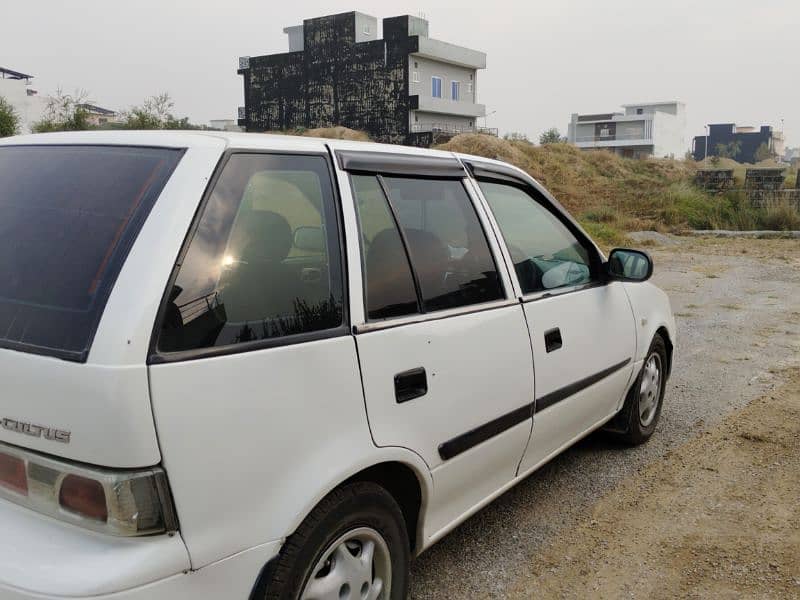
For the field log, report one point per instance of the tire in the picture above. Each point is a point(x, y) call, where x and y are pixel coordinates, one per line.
point(639, 416)
point(350, 518)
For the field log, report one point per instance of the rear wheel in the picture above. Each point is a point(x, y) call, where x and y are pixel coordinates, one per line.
point(353, 545)
point(639, 416)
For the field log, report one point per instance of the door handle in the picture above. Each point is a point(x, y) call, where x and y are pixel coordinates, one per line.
point(552, 339)
point(410, 384)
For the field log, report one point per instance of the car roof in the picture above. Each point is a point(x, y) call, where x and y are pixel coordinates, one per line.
point(189, 138)
point(229, 140)
point(236, 140)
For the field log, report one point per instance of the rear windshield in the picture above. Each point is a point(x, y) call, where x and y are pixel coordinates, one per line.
point(68, 216)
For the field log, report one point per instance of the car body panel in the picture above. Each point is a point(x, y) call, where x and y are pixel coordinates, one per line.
point(43, 556)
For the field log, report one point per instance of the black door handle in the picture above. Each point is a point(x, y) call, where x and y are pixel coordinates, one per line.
point(410, 384)
point(552, 339)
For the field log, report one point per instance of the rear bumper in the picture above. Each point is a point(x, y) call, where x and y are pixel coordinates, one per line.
point(44, 559)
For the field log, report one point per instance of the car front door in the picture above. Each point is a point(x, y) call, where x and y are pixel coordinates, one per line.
point(581, 327)
point(444, 352)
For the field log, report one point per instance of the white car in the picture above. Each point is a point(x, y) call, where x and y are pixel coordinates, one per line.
point(252, 366)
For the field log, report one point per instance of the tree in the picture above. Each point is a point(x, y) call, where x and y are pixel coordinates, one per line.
point(156, 113)
point(551, 136)
point(516, 136)
point(64, 112)
point(9, 119)
point(763, 152)
point(730, 150)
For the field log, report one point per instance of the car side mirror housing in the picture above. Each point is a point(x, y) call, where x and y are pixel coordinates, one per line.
point(625, 264)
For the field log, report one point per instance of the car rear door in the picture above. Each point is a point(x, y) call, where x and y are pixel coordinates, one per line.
point(581, 328)
point(444, 352)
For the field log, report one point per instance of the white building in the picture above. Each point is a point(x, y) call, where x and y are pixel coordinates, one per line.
point(224, 125)
point(17, 89)
point(650, 129)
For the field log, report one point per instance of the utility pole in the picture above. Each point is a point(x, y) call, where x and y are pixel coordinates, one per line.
point(705, 158)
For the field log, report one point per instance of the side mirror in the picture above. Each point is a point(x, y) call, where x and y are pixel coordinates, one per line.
point(629, 265)
point(311, 239)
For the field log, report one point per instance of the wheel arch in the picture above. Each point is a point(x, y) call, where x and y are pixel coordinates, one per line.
point(664, 333)
point(398, 469)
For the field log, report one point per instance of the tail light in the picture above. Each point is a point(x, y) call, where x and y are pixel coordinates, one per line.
point(116, 502)
point(12, 474)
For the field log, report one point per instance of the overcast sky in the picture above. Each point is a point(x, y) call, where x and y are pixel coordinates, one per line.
point(728, 60)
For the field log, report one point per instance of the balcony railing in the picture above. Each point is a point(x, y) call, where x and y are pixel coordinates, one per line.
point(451, 129)
point(612, 138)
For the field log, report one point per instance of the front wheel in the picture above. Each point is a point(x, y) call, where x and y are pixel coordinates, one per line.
point(639, 415)
point(353, 545)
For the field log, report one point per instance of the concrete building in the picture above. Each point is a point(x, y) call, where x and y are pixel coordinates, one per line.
point(17, 88)
point(748, 139)
point(650, 129)
point(97, 116)
point(338, 71)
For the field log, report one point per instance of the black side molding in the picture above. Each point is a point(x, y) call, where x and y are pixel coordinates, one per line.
point(565, 392)
point(472, 438)
point(388, 163)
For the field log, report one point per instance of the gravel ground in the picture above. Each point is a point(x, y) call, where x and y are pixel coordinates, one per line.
point(737, 304)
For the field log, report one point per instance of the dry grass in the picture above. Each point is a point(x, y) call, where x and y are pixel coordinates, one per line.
point(331, 133)
point(337, 133)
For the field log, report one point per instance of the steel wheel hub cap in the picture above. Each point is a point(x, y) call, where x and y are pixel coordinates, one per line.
point(650, 390)
point(357, 566)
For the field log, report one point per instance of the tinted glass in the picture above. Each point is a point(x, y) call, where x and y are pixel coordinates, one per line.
point(545, 253)
point(264, 261)
point(389, 286)
point(446, 242)
point(68, 216)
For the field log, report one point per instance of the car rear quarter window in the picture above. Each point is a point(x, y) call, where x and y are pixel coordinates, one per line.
point(68, 217)
point(264, 262)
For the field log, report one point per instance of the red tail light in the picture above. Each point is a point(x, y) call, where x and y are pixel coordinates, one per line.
point(12, 474)
point(84, 496)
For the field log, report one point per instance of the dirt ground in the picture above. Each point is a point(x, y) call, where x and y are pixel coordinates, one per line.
point(717, 518)
point(690, 513)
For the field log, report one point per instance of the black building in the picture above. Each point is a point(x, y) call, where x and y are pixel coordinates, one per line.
point(749, 139)
point(399, 89)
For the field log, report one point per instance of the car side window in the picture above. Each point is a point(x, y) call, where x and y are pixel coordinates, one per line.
point(452, 264)
point(264, 261)
point(389, 285)
point(545, 253)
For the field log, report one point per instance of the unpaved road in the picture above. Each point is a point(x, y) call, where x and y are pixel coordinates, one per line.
point(737, 304)
point(718, 518)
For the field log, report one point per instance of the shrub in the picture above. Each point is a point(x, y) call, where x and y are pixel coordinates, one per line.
point(9, 119)
point(780, 218)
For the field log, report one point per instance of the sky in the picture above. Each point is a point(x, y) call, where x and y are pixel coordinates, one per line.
point(728, 60)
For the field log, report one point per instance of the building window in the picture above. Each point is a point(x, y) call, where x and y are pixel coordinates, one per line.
point(436, 87)
point(366, 29)
point(455, 90)
point(469, 87)
point(639, 111)
point(415, 77)
point(470, 76)
point(416, 65)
